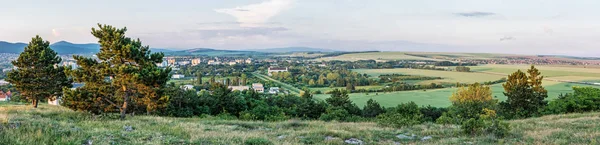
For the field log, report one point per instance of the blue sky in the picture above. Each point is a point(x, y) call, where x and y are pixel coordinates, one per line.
point(499, 26)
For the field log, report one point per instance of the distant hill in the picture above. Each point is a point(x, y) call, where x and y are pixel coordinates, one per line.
point(7, 47)
point(293, 49)
point(214, 52)
point(63, 47)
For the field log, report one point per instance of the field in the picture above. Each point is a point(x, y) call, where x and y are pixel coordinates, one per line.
point(20, 124)
point(382, 56)
point(548, 71)
point(448, 76)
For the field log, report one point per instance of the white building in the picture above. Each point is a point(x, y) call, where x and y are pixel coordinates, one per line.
point(3, 82)
point(178, 76)
point(258, 87)
point(56, 101)
point(183, 62)
point(273, 90)
point(187, 87)
point(232, 63)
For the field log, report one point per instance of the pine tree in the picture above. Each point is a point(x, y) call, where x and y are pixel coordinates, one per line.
point(124, 77)
point(38, 77)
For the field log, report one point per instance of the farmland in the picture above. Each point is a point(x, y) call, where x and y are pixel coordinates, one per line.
point(548, 71)
point(440, 97)
point(448, 76)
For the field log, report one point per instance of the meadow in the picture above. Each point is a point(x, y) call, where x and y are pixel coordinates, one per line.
point(448, 76)
point(548, 71)
point(21, 124)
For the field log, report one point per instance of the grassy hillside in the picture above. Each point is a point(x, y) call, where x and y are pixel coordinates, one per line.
point(384, 56)
point(22, 124)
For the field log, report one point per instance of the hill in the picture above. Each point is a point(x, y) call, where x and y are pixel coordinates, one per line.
point(7, 47)
point(63, 47)
point(214, 52)
point(293, 49)
point(20, 124)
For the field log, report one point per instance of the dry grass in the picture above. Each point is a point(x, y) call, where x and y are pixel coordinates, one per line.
point(57, 125)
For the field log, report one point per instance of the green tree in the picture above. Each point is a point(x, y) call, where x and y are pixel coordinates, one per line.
point(38, 77)
point(372, 109)
point(244, 79)
point(198, 78)
point(525, 94)
point(124, 75)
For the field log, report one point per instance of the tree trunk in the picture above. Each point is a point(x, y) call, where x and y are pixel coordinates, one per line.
point(124, 107)
point(35, 103)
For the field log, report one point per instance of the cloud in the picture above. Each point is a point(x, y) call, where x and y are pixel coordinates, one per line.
point(55, 32)
point(254, 15)
point(475, 14)
point(238, 32)
point(507, 38)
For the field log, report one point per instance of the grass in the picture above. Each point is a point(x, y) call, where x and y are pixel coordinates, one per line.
point(383, 56)
point(57, 125)
point(440, 97)
point(548, 71)
point(448, 76)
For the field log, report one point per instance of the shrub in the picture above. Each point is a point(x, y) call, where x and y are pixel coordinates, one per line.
point(405, 114)
point(431, 114)
point(335, 113)
point(581, 100)
point(472, 126)
point(264, 112)
point(372, 109)
point(258, 141)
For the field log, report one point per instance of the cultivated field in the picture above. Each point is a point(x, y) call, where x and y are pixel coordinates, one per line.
point(448, 76)
point(548, 71)
point(383, 56)
point(20, 124)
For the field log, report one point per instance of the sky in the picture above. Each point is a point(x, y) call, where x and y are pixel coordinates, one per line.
point(494, 26)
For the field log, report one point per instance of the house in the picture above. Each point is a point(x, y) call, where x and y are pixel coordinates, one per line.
point(249, 60)
point(178, 76)
point(238, 88)
point(5, 96)
point(232, 63)
point(183, 62)
point(276, 69)
point(258, 87)
point(171, 61)
point(3, 82)
point(56, 101)
point(196, 61)
point(187, 87)
point(212, 62)
point(273, 90)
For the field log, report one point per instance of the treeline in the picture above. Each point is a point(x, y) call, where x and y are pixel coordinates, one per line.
point(301, 77)
point(387, 78)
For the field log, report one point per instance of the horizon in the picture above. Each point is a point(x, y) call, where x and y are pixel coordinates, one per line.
point(515, 27)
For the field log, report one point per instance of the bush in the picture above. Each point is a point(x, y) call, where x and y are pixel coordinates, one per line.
point(431, 114)
point(335, 113)
point(258, 141)
point(405, 114)
point(472, 126)
point(264, 112)
point(584, 99)
point(372, 109)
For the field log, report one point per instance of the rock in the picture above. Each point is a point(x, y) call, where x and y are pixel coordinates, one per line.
point(127, 128)
point(426, 138)
point(281, 137)
point(354, 141)
point(330, 138)
point(88, 142)
point(402, 136)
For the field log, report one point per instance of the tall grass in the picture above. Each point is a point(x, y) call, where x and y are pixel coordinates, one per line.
point(22, 124)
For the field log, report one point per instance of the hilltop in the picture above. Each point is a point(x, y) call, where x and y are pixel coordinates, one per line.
point(22, 124)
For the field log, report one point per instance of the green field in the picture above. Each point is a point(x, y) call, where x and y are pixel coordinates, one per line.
point(548, 71)
point(448, 76)
point(440, 97)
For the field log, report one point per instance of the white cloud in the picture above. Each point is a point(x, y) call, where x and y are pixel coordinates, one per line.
point(255, 15)
point(55, 32)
